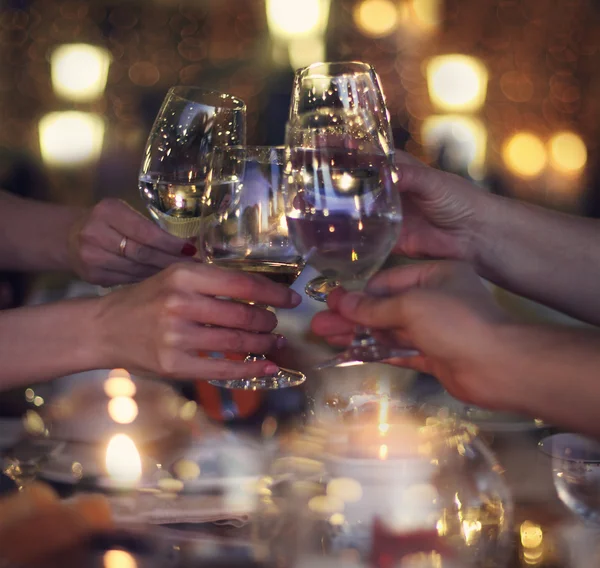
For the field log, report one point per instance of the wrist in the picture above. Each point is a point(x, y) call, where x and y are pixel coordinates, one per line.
point(101, 339)
point(67, 233)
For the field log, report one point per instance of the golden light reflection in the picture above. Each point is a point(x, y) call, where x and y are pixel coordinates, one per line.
point(384, 391)
point(119, 386)
point(457, 83)
point(568, 153)
point(376, 18)
point(287, 20)
point(123, 409)
point(79, 71)
point(326, 505)
point(345, 488)
point(123, 462)
point(532, 534)
point(118, 559)
point(471, 531)
point(70, 138)
point(463, 138)
point(383, 452)
point(525, 155)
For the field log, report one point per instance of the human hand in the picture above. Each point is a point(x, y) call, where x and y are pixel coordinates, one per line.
point(162, 324)
point(441, 309)
point(114, 244)
point(443, 213)
point(35, 524)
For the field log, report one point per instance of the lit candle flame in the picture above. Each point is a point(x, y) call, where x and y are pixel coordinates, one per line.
point(383, 452)
point(123, 462)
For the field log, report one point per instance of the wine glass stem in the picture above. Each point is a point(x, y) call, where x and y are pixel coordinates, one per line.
point(363, 337)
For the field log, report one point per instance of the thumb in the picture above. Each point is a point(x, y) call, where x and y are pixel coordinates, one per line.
point(380, 313)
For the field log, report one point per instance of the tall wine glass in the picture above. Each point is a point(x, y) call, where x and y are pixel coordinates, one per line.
point(350, 85)
point(245, 229)
point(191, 122)
point(343, 209)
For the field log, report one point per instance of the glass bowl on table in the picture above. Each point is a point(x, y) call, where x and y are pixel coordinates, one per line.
point(346, 85)
point(394, 489)
point(160, 463)
point(343, 210)
point(191, 122)
point(245, 228)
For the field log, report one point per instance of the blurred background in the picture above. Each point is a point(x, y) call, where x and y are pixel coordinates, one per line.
point(506, 92)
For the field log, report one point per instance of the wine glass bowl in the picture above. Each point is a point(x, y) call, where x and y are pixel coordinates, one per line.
point(191, 122)
point(341, 86)
point(245, 229)
point(344, 212)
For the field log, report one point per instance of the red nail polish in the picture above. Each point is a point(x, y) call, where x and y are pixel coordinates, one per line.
point(188, 250)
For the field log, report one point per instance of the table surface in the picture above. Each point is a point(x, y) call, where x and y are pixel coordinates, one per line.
point(527, 470)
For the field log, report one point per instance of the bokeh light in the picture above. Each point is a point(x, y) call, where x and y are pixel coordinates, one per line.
point(525, 155)
point(123, 462)
point(462, 138)
point(123, 409)
point(306, 50)
point(457, 83)
point(376, 18)
point(568, 153)
point(427, 13)
point(288, 20)
point(70, 138)
point(79, 71)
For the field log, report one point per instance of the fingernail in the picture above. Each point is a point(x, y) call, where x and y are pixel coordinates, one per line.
point(350, 301)
point(281, 342)
point(296, 298)
point(271, 368)
point(188, 250)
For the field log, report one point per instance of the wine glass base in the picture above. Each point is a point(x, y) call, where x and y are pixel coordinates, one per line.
point(282, 379)
point(319, 288)
point(364, 354)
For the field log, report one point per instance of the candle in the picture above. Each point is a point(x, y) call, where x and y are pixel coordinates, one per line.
point(123, 462)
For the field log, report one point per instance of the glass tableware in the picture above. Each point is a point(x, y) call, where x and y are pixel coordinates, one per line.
point(345, 85)
point(192, 121)
point(151, 452)
point(386, 491)
point(343, 210)
point(245, 229)
point(576, 473)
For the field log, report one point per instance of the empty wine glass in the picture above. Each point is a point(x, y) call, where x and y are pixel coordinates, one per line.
point(191, 122)
point(245, 229)
point(349, 85)
point(343, 208)
point(576, 473)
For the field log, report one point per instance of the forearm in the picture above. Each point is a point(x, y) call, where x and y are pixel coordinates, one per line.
point(552, 373)
point(43, 342)
point(544, 255)
point(34, 236)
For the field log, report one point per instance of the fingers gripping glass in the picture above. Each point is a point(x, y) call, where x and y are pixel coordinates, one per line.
point(190, 123)
point(245, 229)
point(349, 86)
point(343, 211)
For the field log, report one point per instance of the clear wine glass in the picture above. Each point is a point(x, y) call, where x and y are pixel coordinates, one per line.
point(245, 229)
point(343, 209)
point(576, 473)
point(349, 85)
point(191, 122)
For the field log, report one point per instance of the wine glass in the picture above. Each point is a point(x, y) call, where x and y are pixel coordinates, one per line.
point(576, 473)
point(347, 85)
point(191, 122)
point(245, 229)
point(343, 209)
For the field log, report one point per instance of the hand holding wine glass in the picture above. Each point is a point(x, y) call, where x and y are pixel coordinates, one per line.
point(245, 229)
point(343, 210)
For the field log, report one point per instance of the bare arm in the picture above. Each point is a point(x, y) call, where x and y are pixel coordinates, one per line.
point(545, 255)
point(555, 373)
point(43, 342)
point(34, 235)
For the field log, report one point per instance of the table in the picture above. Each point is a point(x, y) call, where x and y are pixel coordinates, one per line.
point(527, 471)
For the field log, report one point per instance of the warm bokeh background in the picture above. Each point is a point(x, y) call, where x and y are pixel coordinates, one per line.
point(537, 58)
